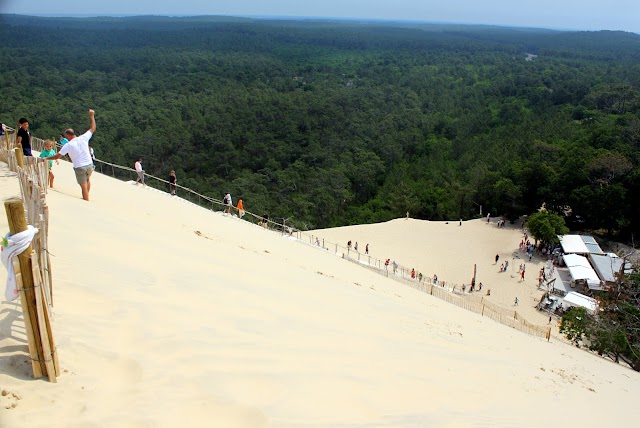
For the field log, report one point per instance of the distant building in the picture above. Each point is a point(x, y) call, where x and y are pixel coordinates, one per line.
point(590, 268)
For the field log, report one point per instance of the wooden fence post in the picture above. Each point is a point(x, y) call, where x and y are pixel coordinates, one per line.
point(19, 156)
point(18, 223)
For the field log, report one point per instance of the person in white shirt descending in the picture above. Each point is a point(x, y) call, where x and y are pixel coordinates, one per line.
point(78, 150)
point(228, 203)
point(140, 171)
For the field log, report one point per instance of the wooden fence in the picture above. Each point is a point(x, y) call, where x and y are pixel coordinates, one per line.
point(33, 266)
point(471, 303)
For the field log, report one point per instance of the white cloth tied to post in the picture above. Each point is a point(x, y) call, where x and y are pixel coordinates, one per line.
point(17, 244)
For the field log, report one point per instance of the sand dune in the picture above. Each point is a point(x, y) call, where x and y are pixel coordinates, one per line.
point(169, 315)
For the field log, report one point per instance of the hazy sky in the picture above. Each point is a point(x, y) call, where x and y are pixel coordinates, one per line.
point(560, 14)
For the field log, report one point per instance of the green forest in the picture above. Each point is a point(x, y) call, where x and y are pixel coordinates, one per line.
point(338, 123)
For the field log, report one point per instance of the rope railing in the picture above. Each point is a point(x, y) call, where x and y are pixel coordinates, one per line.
point(126, 173)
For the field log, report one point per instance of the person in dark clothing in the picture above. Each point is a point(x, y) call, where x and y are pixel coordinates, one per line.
point(24, 137)
point(172, 183)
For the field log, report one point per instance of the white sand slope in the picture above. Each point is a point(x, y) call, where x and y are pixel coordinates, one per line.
point(169, 315)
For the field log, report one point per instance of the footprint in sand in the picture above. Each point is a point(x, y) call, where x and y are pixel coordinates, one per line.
point(9, 399)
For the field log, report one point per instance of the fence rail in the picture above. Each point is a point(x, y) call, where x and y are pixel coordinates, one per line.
point(471, 303)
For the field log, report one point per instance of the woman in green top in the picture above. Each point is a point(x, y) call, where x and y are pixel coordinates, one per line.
point(48, 151)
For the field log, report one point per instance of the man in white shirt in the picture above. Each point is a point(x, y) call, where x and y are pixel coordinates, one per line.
point(78, 150)
point(140, 171)
point(227, 203)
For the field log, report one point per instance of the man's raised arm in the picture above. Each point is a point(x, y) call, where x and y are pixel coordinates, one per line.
point(93, 121)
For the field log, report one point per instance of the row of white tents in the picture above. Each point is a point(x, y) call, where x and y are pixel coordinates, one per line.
point(588, 264)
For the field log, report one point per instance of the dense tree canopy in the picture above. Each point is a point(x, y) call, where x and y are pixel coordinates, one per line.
point(545, 226)
point(341, 123)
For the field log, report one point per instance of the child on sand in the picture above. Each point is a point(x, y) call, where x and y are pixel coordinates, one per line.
point(240, 208)
point(48, 151)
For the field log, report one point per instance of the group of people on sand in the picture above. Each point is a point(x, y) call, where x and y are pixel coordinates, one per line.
point(415, 275)
point(227, 201)
point(77, 147)
point(472, 287)
point(172, 180)
point(504, 266)
point(355, 247)
point(499, 223)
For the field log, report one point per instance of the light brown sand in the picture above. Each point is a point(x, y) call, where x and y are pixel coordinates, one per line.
point(168, 315)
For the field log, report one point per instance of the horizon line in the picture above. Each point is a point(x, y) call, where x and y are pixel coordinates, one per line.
point(299, 17)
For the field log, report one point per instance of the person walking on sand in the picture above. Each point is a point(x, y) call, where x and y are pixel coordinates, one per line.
point(139, 171)
point(173, 180)
point(355, 247)
point(78, 150)
point(240, 209)
point(23, 137)
point(522, 274)
point(497, 258)
point(366, 249)
point(228, 203)
point(516, 302)
point(48, 151)
point(395, 267)
point(488, 217)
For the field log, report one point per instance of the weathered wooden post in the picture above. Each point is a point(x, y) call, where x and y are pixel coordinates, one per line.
point(19, 156)
point(18, 223)
point(473, 280)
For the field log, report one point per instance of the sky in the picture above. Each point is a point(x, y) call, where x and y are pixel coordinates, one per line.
point(557, 14)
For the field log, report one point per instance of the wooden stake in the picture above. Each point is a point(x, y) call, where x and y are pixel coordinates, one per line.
point(43, 321)
point(44, 254)
point(18, 223)
point(19, 156)
point(473, 281)
point(31, 341)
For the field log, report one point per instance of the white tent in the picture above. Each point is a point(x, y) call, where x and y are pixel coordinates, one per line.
point(573, 244)
point(580, 268)
point(579, 244)
point(575, 260)
point(577, 299)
